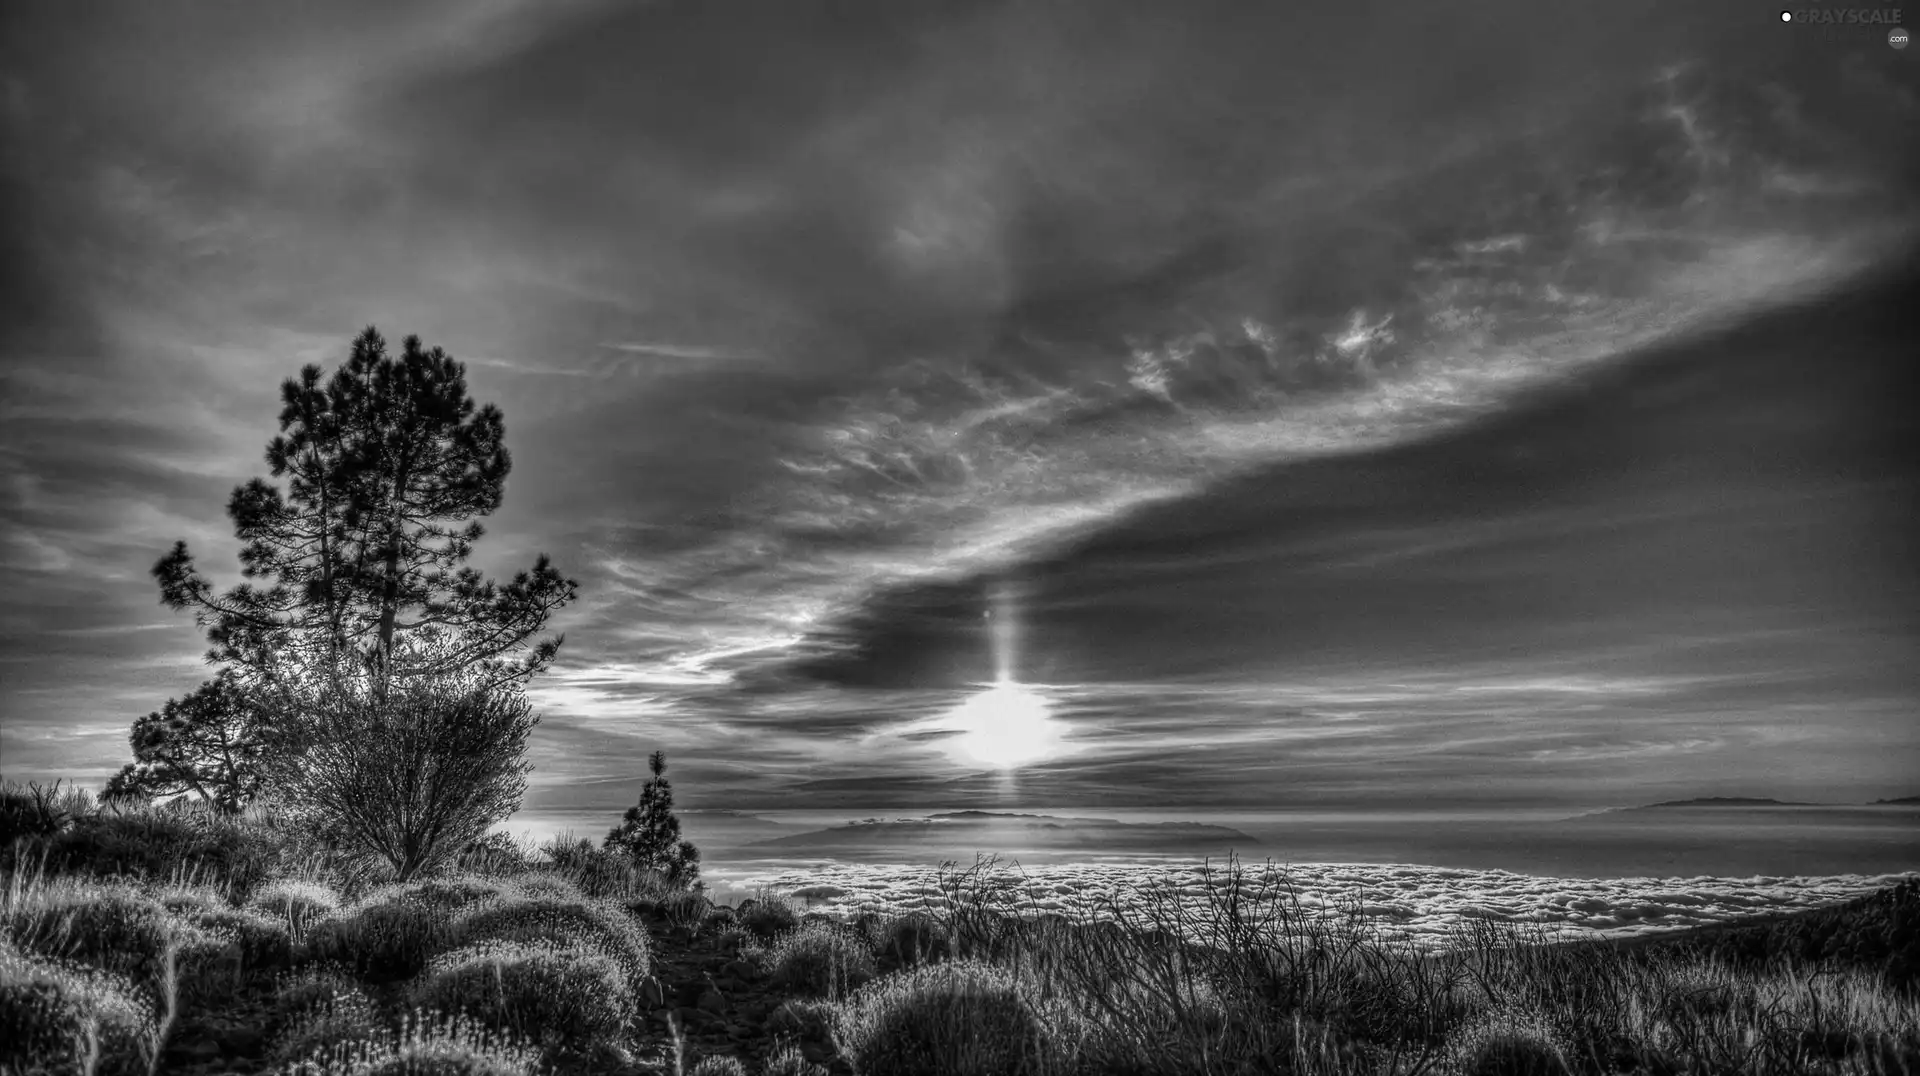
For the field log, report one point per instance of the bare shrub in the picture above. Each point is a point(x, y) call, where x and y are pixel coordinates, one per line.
point(409, 774)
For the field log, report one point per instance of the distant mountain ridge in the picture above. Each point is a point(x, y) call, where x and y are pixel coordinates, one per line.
point(1755, 801)
point(1734, 801)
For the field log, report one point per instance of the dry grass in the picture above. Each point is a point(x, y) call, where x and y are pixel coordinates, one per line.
point(1250, 981)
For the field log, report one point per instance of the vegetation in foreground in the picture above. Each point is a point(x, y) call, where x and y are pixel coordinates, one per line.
point(180, 939)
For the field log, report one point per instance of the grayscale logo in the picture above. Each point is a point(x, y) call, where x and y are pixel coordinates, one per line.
point(1897, 37)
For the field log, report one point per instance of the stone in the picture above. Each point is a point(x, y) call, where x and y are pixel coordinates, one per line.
point(712, 1001)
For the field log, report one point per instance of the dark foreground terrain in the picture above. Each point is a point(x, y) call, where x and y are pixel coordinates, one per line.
point(171, 941)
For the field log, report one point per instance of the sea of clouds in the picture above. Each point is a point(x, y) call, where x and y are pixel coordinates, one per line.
point(1424, 904)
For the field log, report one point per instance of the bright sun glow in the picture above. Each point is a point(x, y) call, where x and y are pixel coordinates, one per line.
point(1006, 726)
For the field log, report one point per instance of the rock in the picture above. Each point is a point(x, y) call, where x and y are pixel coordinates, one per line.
point(712, 1001)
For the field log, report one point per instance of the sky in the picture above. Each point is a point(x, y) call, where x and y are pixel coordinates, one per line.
point(1486, 404)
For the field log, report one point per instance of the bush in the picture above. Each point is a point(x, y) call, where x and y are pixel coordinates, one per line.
point(956, 1019)
point(686, 910)
point(445, 894)
point(426, 1046)
point(34, 811)
point(496, 854)
point(1508, 1047)
point(575, 923)
point(821, 961)
point(110, 928)
point(297, 902)
point(264, 944)
point(413, 778)
point(911, 940)
point(767, 918)
point(597, 872)
point(568, 1000)
point(719, 1066)
point(189, 899)
point(789, 1061)
point(734, 940)
point(164, 843)
point(310, 988)
point(54, 1017)
point(381, 942)
point(544, 884)
point(319, 1017)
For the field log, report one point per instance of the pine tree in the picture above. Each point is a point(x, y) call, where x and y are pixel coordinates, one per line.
point(650, 834)
point(364, 550)
point(207, 744)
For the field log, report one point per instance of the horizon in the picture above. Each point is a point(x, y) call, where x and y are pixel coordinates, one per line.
point(1019, 409)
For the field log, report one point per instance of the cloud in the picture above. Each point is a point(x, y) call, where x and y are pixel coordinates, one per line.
point(664, 350)
point(804, 326)
point(1426, 905)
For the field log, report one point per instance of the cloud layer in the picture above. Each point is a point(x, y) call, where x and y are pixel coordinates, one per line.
point(1426, 905)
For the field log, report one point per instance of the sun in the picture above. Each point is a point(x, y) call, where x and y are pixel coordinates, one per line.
point(1005, 726)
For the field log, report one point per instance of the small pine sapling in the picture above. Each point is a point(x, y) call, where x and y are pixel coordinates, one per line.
point(650, 833)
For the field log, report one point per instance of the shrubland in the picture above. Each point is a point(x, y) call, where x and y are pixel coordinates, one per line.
point(510, 958)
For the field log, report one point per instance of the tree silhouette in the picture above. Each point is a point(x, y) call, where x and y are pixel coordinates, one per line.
point(207, 744)
point(364, 550)
point(650, 834)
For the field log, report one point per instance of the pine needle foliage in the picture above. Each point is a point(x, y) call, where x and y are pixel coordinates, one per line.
point(649, 835)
